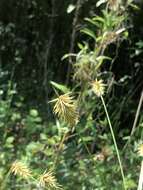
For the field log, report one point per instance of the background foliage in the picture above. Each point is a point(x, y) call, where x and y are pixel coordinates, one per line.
point(34, 36)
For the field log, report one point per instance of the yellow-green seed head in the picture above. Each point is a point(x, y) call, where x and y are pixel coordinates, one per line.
point(98, 87)
point(140, 150)
point(66, 109)
point(48, 180)
point(20, 169)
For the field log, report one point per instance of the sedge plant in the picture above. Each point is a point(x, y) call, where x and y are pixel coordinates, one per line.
point(99, 89)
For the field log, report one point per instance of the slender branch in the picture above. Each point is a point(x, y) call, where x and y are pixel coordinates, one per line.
point(136, 119)
point(63, 139)
point(137, 114)
point(48, 49)
point(73, 37)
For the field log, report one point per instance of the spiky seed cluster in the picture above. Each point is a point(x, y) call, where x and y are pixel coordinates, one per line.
point(98, 87)
point(19, 168)
point(66, 109)
point(48, 180)
point(140, 150)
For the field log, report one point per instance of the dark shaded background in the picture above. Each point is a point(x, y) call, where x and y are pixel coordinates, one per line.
point(34, 35)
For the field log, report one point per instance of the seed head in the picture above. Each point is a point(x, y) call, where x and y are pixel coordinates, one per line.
point(66, 109)
point(140, 150)
point(114, 4)
point(99, 157)
point(98, 87)
point(48, 180)
point(19, 168)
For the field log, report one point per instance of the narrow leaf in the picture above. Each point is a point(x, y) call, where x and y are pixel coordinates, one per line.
point(60, 87)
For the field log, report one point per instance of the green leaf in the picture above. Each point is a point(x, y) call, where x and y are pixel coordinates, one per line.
point(70, 8)
point(60, 87)
point(140, 44)
point(68, 55)
point(86, 139)
point(100, 60)
point(100, 2)
point(80, 46)
point(94, 22)
point(43, 136)
point(99, 19)
point(9, 140)
point(102, 57)
point(130, 184)
point(89, 33)
point(135, 7)
point(33, 113)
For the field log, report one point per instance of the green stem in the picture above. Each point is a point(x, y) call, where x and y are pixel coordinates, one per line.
point(59, 150)
point(136, 119)
point(140, 185)
point(61, 145)
point(115, 143)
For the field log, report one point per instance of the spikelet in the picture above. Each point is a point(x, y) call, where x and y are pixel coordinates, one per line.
point(66, 109)
point(19, 168)
point(98, 87)
point(48, 180)
point(108, 38)
point(113, 4)
point(99, 157)
point(140, 150)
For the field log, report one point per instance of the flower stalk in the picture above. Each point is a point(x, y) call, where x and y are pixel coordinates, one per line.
point(114, 141)
point(98, 88)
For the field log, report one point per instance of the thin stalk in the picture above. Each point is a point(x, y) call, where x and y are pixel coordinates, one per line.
point(59, 150)
point(62, 143)
point(140, 184)
point(115, 143)
point(136, 119)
